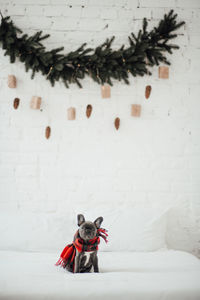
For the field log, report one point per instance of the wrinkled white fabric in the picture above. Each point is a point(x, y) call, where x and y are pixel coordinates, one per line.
point(160, 275)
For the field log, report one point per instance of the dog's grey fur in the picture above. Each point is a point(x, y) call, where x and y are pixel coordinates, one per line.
point(87, 231)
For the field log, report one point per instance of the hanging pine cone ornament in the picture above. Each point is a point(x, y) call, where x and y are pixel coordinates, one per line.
point(147, 91)
point(88, 110)
point(48, 132)
point(71, 113)
point(117, 123)
point(35, 102)
point(12, 81)
point(16, 103)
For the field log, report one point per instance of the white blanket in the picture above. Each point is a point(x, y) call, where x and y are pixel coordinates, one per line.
point(162, 275)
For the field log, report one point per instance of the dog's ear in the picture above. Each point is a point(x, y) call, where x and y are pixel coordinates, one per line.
point(80, 219)
point(98, 222)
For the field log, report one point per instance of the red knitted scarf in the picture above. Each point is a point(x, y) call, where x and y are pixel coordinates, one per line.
point(68, 254)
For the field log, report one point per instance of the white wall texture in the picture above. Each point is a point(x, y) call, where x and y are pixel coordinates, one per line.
point(151, 160)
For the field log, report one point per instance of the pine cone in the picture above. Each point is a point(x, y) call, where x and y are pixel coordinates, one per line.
point(16, 103)
point(48, 132)
point(88, 110)
point(117, 123)
point(147, 91)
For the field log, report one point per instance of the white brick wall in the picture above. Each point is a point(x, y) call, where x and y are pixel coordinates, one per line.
point(152, 159)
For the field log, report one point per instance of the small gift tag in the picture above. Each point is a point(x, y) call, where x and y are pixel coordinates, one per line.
point(163, 72)
point(88, 110)
point(135, 110)
point(48, 132)
point(105, 91)
point(71, 113)
point(35, 102)
point(16, 103)
point(147, 91)
point(117, 123)
point(12, 81)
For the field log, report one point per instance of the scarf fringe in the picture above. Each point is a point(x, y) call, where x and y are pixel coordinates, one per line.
point(103, 233)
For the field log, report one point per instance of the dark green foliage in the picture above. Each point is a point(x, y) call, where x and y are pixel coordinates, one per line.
point(102, 63)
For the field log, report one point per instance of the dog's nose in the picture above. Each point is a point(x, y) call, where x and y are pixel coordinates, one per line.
point(88, 231)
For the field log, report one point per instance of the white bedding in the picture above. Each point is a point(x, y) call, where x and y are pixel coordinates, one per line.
point(162, 275)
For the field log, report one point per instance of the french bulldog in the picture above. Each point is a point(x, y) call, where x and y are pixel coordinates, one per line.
point(86, 260)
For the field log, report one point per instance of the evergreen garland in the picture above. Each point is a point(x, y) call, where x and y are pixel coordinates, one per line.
point(102, 64)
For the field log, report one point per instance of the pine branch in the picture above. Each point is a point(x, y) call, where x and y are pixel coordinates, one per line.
point(102, 64)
